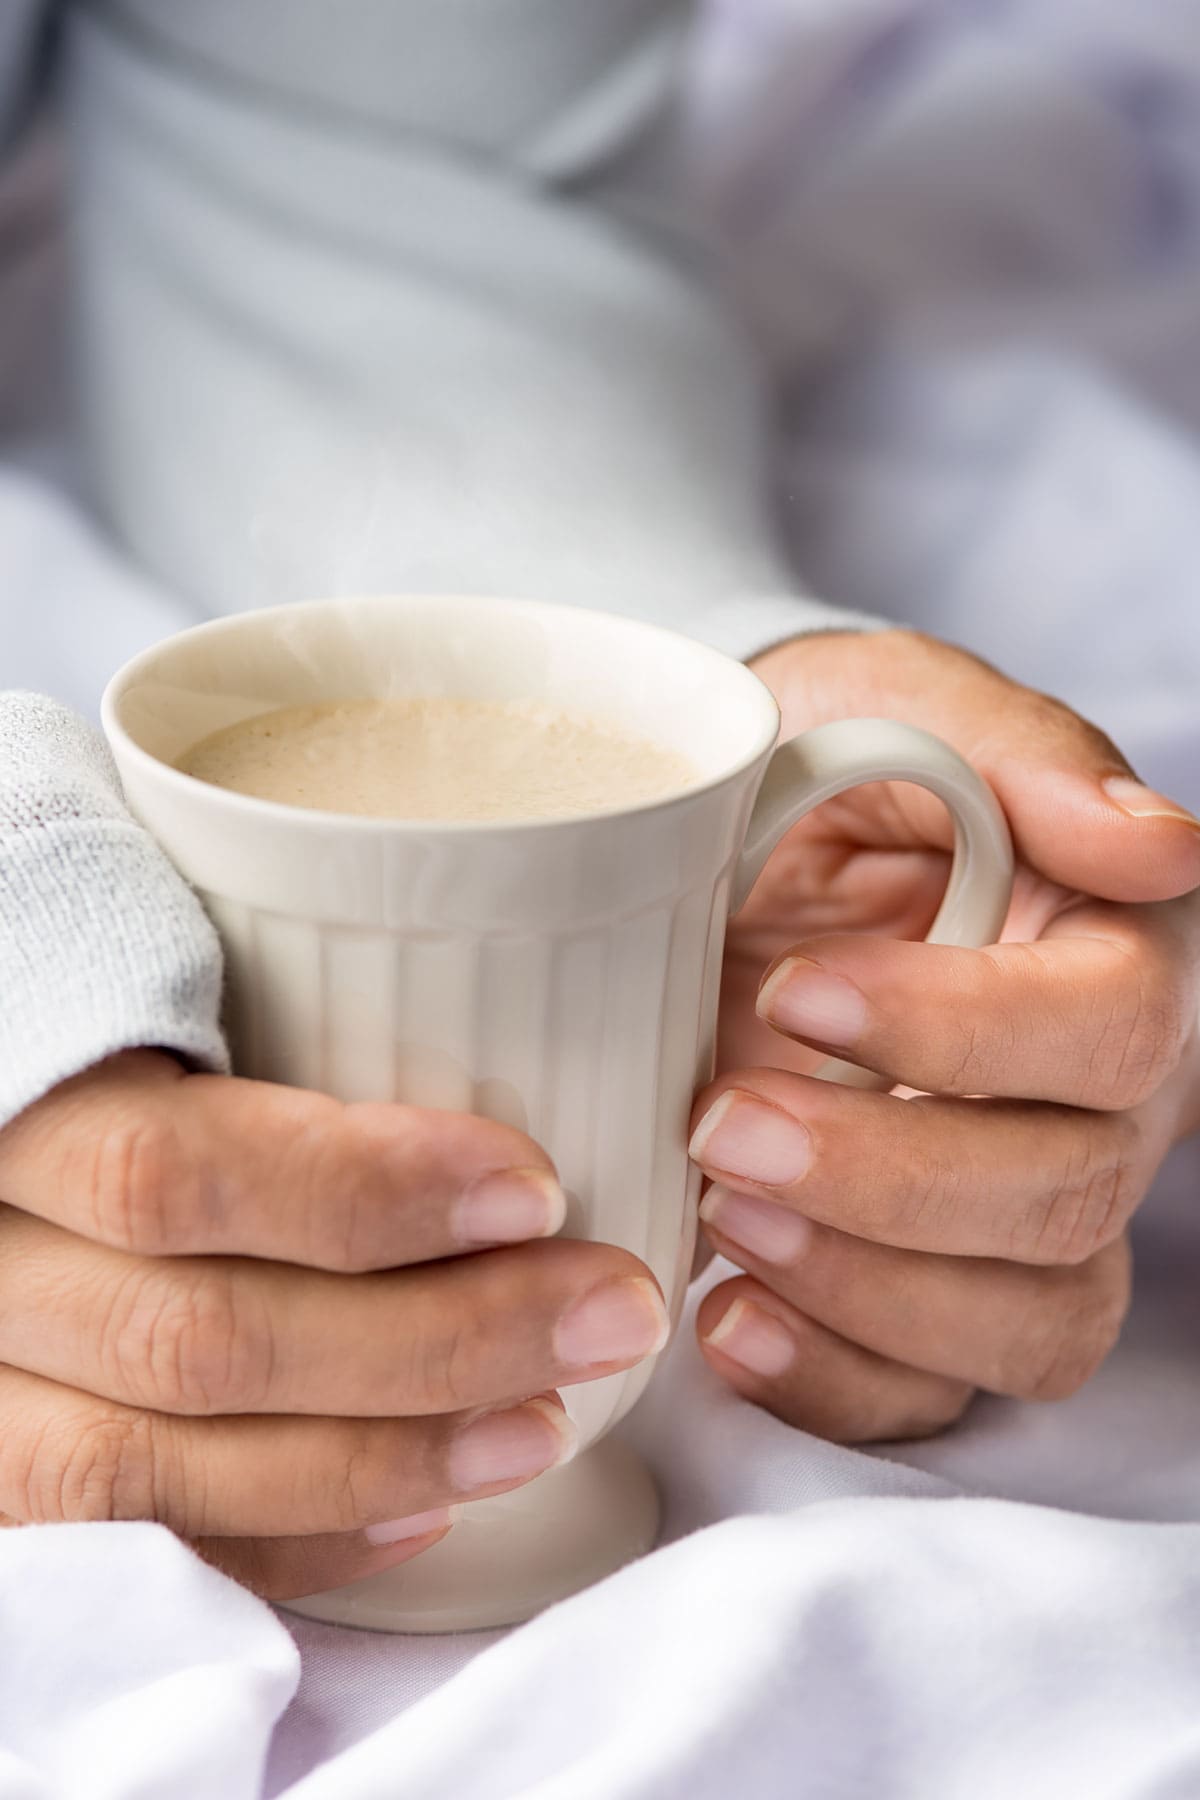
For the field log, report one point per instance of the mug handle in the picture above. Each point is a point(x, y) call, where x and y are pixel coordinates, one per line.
point(831, 758)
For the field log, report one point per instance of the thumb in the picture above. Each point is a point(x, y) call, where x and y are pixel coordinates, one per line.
point(1081, 816)
point(1078, 813)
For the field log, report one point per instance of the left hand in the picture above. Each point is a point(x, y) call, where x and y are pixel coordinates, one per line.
point(902, 1252)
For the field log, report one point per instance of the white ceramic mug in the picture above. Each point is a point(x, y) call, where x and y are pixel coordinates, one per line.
point(559, 975)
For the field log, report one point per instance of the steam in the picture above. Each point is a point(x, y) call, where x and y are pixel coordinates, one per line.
point(320, 526)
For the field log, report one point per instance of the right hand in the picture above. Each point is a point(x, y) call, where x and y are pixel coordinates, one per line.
point(245, 1310)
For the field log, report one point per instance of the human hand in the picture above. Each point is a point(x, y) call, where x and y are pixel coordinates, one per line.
point(902, 1252)
point(244, 1310)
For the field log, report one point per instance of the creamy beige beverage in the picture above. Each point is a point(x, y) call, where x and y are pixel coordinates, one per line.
point(438, 759)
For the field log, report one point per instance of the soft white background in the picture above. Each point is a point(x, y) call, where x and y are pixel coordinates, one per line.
point(968, 234)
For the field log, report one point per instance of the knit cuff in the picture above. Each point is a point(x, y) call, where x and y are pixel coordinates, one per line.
point(103, 946)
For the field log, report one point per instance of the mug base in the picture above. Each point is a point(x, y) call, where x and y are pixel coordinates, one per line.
point(508, 1558)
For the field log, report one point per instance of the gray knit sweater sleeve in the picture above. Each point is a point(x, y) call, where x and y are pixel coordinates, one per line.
point(104, 946)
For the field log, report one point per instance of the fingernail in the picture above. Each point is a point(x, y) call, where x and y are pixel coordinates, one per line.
point(751, 1337)
point(803, 998)
point(511, 1446)
point(394, 1531)
point(508, 1207)
point(752, 1139)
point(621, 1322)
point(1143, 803)
point(764, 1228)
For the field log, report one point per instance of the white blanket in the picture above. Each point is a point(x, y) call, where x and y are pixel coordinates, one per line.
point(995, 206)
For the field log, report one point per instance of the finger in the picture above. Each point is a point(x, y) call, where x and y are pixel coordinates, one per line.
point(1011, 1179)
point(65, 1455)
point(140, 1155)
point(1034, 1333)
point(809, 1377)
point(1096, 1014)
point(283, 1568)
point(1077, 811)
point(1079, 814)
point(201, 1335)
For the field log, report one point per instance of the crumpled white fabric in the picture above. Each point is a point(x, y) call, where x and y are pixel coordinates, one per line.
point(802, 1655)
point(131, 1671)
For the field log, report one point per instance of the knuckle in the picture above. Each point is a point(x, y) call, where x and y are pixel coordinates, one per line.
point(1140, 1038)
point(933, 1191)
point(135, 1185)
point(331, 1185)
point(1077, 1334)
point(1052, 724)
point(185, 1342)
point(987, 1032)
point(972, 1052)
point(98, 1467)
point(108, 1472)
point(440, 1365)
point(1088, 741)
point(343, 1493)
point(1091, 1204)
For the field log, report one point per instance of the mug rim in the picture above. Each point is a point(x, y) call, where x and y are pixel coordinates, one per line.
point(278, 813)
